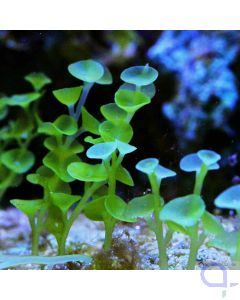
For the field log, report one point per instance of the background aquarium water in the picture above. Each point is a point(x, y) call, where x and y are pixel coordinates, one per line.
point(196, 105)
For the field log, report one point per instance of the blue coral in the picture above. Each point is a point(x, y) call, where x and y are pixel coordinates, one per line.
point(201, 61)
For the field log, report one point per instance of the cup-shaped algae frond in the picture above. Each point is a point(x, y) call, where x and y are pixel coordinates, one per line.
point(90, 71)
point(86, 172)
point(151, 166)
point(194, 162)
point(86, 70)
point(131, 101)
point(102, 150)
point(139, 75)
point(38, 80)
point(186, 211)
point(148, 165)
point(68, 96)
point(229, 199)
point(200, 162)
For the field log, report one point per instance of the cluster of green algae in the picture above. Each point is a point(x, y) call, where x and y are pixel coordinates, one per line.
point(58, 209)
point(20, 118)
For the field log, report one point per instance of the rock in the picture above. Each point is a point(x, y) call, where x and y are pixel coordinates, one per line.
point(134, 245)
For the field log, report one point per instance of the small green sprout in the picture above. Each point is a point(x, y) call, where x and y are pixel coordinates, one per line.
point(187, 213)
point(34, 210)
point(156, 173)
point(200, 162)
point(111, 154)
point(183, 214)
